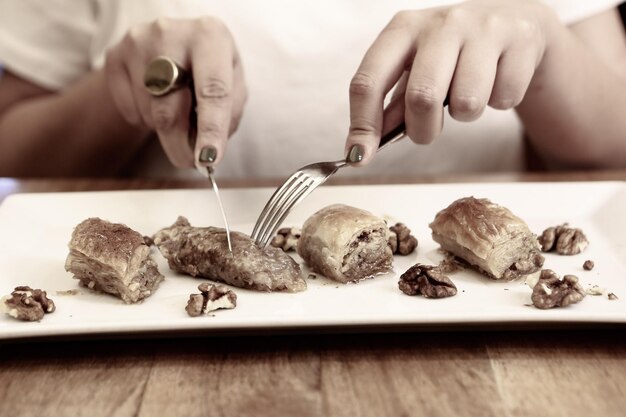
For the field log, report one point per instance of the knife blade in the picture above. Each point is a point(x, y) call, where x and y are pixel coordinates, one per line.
point(209, 173)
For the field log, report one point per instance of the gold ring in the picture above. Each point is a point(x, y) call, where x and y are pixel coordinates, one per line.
point(163, 76)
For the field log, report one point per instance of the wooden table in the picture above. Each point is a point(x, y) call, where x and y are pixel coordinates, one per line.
point(455, 373)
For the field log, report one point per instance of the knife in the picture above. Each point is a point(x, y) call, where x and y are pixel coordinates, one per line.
point(209, 174)
point(162, 76)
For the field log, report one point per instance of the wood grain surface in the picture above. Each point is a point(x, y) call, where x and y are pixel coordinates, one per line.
point(468, 372)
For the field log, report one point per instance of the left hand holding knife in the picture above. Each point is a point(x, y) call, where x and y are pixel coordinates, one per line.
point(206, 50)
point(162, 76)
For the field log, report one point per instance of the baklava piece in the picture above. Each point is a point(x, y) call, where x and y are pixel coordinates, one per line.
point(112, 258)
point(345, 243)
point(203, 252)
point(488, 237)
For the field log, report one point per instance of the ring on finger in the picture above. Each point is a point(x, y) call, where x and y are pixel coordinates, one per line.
point(163, 75)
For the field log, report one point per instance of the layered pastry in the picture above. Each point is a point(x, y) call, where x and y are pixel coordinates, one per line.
point(112, 258)
point(345, 243)
point(203, 252)
point(488, 237)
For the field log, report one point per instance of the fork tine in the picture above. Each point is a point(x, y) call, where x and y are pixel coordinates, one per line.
point(294, 189)
point(279, 205)
point(283, 210)
point(278, 194)
point(279, 201)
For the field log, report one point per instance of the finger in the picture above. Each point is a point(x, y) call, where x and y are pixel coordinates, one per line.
point(120, 87)
point(170, 114)
point(136, 69)
point(515, 72)
point(428, 84)
point(240, 97)
point(213, 60)
point(473, 80)
point(394, 112)
point(380, 69)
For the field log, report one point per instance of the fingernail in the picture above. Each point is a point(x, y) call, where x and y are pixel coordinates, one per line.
point(356, 154)
point(208, 154)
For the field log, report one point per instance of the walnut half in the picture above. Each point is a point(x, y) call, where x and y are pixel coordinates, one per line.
point(286, 238)
point(401, 241)
point(212, 297)
point(426, 280)
point(27, 304)
point(552, 291)
point(564, 239)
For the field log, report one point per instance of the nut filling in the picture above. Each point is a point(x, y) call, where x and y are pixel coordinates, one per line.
point(552, 291)
point(401, 241)
point(212, 297)
point(27, 304)
point(563, 239)
point(286, 238)
point(426, 280)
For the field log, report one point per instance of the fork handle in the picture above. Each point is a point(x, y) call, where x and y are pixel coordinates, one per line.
point(396, 134)
point(399, 132)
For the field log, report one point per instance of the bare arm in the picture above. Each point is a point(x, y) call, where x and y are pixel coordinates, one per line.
point(76, 132)
point(573, 109)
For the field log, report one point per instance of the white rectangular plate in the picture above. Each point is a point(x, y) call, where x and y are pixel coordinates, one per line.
point(35, 230)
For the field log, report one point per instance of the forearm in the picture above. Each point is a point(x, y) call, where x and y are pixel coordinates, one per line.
point(76, 132)
point(573, 109)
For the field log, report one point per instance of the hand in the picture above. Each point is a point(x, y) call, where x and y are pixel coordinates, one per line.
point(204, 47)
point(478, 53)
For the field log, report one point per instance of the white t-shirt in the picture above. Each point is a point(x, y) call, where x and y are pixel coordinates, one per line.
point(298, 59)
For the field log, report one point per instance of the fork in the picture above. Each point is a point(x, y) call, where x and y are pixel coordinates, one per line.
point(299, 185)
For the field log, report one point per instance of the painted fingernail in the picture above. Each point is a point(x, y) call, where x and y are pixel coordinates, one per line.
point(356, 154)
point(208, 154)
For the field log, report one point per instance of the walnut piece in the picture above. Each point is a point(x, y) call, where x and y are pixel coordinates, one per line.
point(426, 280)
point(552, 291)
point(401, 241)
point(148, 240)
point(595, 290)
point(613, 296)
point(451, 263)
point(564, 239)
point(68, 292)
point(286, 238)
point(27, 304)
point(449, 266)
point(588, 265)
point(212, 297)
